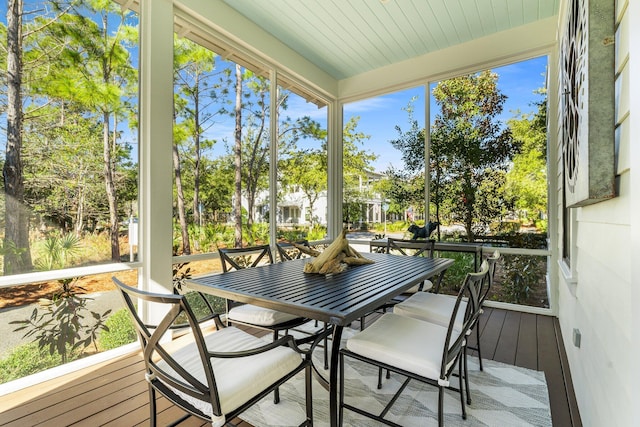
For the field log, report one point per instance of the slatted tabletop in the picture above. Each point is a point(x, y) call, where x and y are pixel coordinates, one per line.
point(337, 299)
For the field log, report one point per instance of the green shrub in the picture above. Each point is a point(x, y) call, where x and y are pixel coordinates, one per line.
point(523, 274)
point(120, 331)
point(397, 226)
point(319, 232)
point(293, 234)
point(454, 276)
point(25, 360)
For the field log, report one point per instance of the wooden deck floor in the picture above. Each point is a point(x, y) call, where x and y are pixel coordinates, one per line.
point(113, 394)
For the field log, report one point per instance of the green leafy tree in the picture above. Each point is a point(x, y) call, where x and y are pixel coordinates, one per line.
point(64, 168)
point(470, 142)
point(357, 168)
point(302, 170)
point(95, 72)
point(306, 170)
point(527, 179)
point(410, 190)
point(237, 155)
point(218, 188)
point(253, 140)
point(468, 147)
point(16, 230)
point(199, 98)
point(403, 190)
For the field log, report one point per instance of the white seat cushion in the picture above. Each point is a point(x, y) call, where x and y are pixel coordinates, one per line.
point(404, 342)
point(434, 308)
point(237, 379)
point(247, 313)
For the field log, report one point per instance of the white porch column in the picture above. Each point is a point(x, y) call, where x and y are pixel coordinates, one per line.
point(634, 184)
point(156, 118)
point(334, 180)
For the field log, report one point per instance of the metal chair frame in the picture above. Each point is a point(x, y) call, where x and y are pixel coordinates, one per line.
point(428, 250)
point(285, 251)
point(167, 383)
point(483, 292)
point(228, 260)
point(454, 353)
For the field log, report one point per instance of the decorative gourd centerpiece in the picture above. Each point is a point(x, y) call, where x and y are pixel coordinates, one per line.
point(335, 258)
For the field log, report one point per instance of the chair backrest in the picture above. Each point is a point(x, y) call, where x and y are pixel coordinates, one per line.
point(424, 248)
point(239, 258)
point(288, 252)
point(488, 282)
point(163, 371)
point(469, 298)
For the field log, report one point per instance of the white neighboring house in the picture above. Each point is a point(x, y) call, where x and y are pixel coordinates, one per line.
point(293, 209)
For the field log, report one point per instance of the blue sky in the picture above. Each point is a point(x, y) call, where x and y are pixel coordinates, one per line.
point(379, 115)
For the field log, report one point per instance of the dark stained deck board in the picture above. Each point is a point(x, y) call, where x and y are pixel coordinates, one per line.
point(506, 346)
point(526, 352)
point(568, 382)
point(490, 333)
point(533, 343)
point(549, 360)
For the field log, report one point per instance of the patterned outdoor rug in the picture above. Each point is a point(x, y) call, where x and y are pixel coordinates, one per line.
point(502, 395)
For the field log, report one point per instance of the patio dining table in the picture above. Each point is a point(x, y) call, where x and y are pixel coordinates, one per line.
point(337, 299)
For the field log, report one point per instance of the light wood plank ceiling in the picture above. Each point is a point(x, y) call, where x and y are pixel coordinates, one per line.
point(349, 37)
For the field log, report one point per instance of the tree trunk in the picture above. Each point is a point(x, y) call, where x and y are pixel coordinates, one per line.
point(196, 166)
point(186, 246)
point(469, 199)
point(17, 254)
point(111, 189)
point(238, 159)
point(80, 197)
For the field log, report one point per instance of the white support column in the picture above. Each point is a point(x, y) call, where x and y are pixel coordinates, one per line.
point(273, 160)
point(553, 205)
point(634, 185)
point(427, 151)
point(334, 179)
point(156, 140)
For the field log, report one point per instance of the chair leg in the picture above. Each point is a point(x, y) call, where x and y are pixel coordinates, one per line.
point(326, 348)
point(309, 395)
point(341, 398)
point(466, 376)
point(276, 392)
point(362, 323)
point(379, 378)
point(461, 386)
point(440, 406)
point(152, 406)
point(478, 345)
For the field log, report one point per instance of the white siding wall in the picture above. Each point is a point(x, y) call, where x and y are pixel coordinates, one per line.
point(599, 299)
